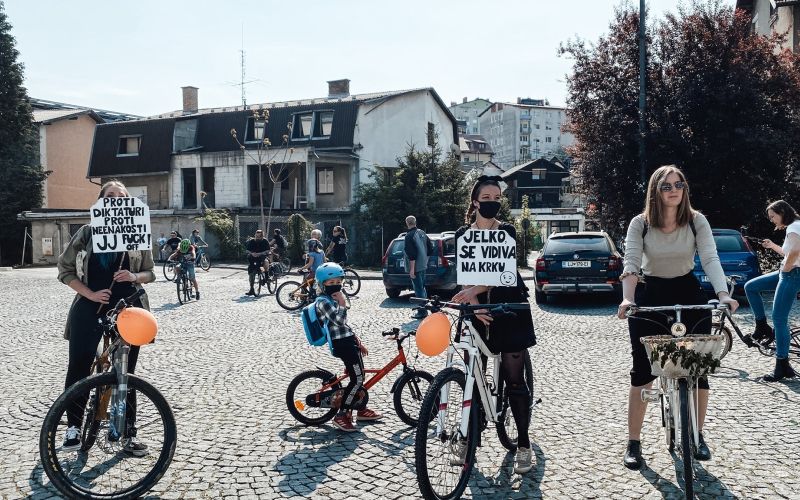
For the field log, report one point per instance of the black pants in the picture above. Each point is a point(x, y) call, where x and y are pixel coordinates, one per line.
point(685, 290)
point(85, 334)
point(346, 349)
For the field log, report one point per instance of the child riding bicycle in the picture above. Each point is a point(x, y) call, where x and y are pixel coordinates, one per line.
point(344, 344)
point(185, 256)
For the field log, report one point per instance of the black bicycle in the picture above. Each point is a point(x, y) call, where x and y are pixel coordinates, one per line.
point(183, 285)
point(351, 281)
point(119, 409)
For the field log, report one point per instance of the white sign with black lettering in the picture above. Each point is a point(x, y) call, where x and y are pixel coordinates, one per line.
point(120, 224)
point(486, 257)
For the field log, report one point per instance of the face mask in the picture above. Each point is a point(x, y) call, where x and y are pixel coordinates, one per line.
point(331, 289)
point(488, 209)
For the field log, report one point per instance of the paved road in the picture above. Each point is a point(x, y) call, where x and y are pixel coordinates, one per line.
point(224, 364)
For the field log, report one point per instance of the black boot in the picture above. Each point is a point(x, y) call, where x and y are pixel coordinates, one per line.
point(764, 334)
point(782, 370)
point(633, 456)
point(702, 453)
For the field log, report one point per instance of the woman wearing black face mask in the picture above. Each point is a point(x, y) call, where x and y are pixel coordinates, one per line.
point(511, 336)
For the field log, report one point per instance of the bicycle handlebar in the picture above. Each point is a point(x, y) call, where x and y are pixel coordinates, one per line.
point(712, 305)
point(128, 301)
point(395, 332)
point(504, 309)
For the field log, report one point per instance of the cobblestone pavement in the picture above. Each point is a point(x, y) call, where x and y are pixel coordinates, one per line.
point(224, 364)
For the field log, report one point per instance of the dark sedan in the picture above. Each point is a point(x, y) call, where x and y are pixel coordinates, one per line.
point(736, 257)
point(440, 276)
point(582, 262)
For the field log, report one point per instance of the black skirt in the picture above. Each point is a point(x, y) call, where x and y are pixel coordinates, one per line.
point(511, 333)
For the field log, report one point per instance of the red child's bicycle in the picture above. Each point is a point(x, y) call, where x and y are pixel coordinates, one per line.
point(313, 396)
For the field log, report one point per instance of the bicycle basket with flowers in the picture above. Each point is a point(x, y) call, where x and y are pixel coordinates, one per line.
point(689, 356)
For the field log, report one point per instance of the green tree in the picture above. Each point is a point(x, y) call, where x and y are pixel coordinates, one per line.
point(426, 184)
point(298, 229)
point(722, 103)
point(21, 176)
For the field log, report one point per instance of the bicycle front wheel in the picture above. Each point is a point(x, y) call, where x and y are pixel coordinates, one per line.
point(272, 282)
point(109, 469)
point(169, 270)
point(291, 296)
point(444, 459)
point(205, 262)
point(351, 283)
point(180, 287)
point(686, 443)
point(667, 415)
point(408, 395)
point(259, 283)
point(507, 430)
point(286, 264)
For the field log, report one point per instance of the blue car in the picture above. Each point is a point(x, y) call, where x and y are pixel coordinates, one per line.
point(736, 257)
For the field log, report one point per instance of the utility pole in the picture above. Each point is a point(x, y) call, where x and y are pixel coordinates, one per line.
point(642, 93)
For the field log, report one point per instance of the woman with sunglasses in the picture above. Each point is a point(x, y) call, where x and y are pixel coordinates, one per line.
point(786, 283)
point(511, 336)
point(660, 246)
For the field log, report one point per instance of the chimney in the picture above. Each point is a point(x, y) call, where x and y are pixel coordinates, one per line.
point(465, 100)
point(519, 100)
point(452, 103)
point(189, 100)
point(338, 88)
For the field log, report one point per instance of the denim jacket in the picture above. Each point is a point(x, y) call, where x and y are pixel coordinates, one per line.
point(73, 264)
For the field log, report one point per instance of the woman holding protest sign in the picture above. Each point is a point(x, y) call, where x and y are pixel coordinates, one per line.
point(100, 280)
point(511, 336)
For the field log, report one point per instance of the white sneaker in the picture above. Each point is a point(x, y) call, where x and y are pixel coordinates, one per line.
point(72, 439)
point(522, 460)
point(458, 450)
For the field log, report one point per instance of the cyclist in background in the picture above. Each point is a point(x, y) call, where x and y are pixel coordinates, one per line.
point(257, 249)
point(661, 243)
point(314, 258)
point(337, 250)
point(185, 255)
point(278, 245)
point(199, 243)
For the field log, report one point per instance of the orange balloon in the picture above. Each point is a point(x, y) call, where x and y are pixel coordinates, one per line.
point(137, 326)
point(433, 334)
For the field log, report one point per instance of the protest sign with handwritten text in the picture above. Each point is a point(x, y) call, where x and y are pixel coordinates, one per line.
point(486, 257)
point(120, 224)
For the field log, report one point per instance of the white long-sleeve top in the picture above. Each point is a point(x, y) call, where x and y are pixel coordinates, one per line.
point(669, 255)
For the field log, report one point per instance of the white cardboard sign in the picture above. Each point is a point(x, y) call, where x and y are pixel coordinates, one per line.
point(120, 224)
point(486, 257)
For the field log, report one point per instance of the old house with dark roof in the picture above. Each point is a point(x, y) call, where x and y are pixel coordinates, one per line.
point(182, 161)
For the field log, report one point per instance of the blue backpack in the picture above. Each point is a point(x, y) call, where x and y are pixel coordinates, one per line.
point(316, 330)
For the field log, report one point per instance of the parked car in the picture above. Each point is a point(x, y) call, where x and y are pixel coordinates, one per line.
point(440, 274)
point(577, 263)
point(736, 256)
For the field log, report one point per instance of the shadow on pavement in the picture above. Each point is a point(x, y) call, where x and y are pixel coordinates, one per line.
point(509, 484)
point(581, 305)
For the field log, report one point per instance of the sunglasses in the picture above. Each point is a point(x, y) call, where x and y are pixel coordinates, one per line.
point(666, 187)
point(490, 178)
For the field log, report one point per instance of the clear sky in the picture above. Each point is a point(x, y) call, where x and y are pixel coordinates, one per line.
point(133, 57)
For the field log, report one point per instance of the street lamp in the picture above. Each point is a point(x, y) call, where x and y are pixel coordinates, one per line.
point(259, 127)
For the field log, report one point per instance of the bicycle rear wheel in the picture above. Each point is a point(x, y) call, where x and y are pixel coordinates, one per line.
point(686, 444)
point(106, 470)
point(290, 295)
point(444, 459)
point(301, 388)
point(719, 329)
point(506, 426)
point(351, 283)
point(169, 270)
point(409, 391)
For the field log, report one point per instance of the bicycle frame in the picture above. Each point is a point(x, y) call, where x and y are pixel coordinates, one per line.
point(378, 374)
point(471, 343)
point(115, 405)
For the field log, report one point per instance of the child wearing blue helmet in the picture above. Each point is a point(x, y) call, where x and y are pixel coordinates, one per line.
point(344, 343)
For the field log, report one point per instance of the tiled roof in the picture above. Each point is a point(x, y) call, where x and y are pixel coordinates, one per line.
point(46, 116)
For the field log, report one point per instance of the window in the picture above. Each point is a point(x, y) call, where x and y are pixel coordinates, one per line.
point(538, 174)
point(325, 120)
point(536, 126)
point(207, 174)
point(431, 134)
point(255, 130)
point(524, 138)
point(538, 197)
point(185, 135)
point(466, 158)
point(523, 153)
point(129, 145)
point(301, 128)
point(481, 146)
point(324, 181)
point(548, 127)
point(189, 181)
point(548, 139)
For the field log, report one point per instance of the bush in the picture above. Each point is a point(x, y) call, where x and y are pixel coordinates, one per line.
point(298, 230)
point(220, 223)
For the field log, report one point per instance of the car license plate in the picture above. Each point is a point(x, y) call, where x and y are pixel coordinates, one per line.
point(704, 278)
point(576, 263)
point(401, 264)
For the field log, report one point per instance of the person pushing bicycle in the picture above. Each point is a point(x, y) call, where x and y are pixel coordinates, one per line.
point(344, 344)
point(185, 255)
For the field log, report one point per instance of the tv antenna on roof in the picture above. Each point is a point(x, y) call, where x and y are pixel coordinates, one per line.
point(242, 82)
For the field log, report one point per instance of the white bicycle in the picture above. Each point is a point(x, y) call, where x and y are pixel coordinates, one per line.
point(449, 431)
point(679, 359)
